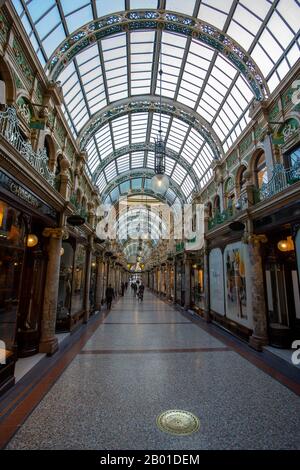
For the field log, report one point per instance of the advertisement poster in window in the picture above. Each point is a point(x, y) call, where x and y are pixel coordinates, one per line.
point(216, 279)
point(237, 283)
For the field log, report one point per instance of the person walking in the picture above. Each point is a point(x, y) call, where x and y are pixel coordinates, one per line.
point(122, 289)
point(134, 289)
point(141, 292)
point(109, 294)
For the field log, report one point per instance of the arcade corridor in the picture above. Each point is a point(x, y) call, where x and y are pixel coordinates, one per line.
point(145, 358)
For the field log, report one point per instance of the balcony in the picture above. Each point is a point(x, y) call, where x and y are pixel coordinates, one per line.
point(281, 179)
point(10, 131)
point(229, 213)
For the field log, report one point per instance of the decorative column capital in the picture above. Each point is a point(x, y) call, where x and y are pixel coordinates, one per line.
point(55, 233)
point(256, 240)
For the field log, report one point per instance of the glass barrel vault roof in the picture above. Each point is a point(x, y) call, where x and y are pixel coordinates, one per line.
point(126, 65)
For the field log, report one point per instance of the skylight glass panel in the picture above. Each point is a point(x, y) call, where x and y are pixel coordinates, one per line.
point(282, 69)
point(104, 7)
point(26, 25)
point(293, 54)
point(239, 34)
point(178, 174)
point(101, 182)
point(169, 166)
point(54, 39)
point(47, 23)
point(290, 12)
point(123, 163)
point(136, 183)
point(19, 7)
point(222, 97)
point(81, 119)
point(150, 160)
point(280, 29)
point(110, 171)
point(259, 8)
point(211, 16)
point(124, 187)
point(37, 8)
point(262, 60)
point(79, 18)
point(247, 20)
point(187, 186)
point(186, 6)
point(137, 160)
point(139, 127)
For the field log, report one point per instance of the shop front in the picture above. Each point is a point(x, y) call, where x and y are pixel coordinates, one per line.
point(282, 286)
point(197, 287)
point(179, 280)
point(23, 264)
point(71, 291)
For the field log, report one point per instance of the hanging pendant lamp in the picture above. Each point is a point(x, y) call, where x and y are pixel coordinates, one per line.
point(160, 181)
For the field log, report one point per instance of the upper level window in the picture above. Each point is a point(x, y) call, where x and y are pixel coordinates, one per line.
point(217, 204)
point(292, 159)
point(242, 180)
point(261, 174)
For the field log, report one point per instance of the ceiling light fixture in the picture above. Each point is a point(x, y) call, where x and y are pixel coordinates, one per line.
point(160, 181)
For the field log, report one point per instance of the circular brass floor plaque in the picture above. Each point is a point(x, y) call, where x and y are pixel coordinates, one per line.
point(178, 422)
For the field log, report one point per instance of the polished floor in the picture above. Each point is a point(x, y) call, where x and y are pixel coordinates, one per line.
point(145, 358)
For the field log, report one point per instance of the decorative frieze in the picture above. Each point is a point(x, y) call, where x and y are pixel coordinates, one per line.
point(22, 61)
point(258, 133)
point(232, 160)
point(18, 82)
point(4, 28)
point(70, 151)
point(39, 94)
point(288, 97)
point(274, 112)
point(60, 133)
point(246, 143)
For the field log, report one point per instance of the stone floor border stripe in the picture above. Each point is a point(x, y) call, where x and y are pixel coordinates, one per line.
point(152, 351)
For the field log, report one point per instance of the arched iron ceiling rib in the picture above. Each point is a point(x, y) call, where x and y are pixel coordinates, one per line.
point(149, 147)
point(146, 103)
point(141, 173)
point(170, 21)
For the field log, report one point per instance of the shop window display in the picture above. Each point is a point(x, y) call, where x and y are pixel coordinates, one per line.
point(78, 279)
point(12, 247)
point(65, 282)
point(197, 287)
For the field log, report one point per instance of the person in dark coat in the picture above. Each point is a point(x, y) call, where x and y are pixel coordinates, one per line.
point(122, 288)
point(134, 286)
point(109, 294)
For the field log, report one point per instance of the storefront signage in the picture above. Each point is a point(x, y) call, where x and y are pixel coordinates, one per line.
point(15, 188)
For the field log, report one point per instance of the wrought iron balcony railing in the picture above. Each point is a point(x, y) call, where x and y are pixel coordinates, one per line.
point(281, 179)
point(10, 131)
point(229, 213)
